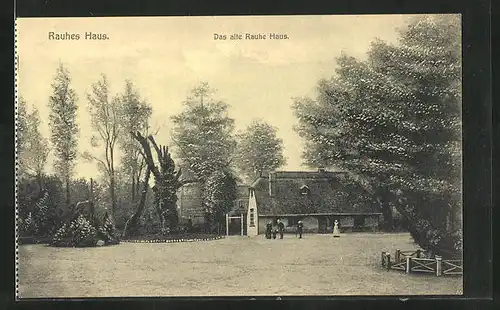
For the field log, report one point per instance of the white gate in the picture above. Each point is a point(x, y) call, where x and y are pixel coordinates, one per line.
point(234, 217)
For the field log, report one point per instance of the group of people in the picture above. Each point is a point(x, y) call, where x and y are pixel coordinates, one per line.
point(280, 229)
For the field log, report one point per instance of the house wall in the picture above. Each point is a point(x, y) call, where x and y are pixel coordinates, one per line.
point(240, 204)
point(346, 222)
point(311, 223)
point(189, 203)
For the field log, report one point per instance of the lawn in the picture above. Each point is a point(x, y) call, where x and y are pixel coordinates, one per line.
point(235, 266)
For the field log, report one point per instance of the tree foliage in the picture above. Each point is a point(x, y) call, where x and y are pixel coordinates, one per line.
point(105, 119)
point(259, 150)
point(64, 129)
point(135, 117)
point(219, 195)
point(21, 128)
point(203, 134)
point(32, 147)
point(394, 120)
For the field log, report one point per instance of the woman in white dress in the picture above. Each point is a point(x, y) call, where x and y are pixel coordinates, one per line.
point(336, 232)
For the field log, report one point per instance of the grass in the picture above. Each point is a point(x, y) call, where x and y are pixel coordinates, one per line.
point(235, 266)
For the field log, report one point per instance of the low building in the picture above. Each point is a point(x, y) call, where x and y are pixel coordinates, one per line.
point(317, 198)
point(323, 222)
point(189, 205)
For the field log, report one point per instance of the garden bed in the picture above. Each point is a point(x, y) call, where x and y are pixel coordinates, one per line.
point(186, 237)
point(33, 240)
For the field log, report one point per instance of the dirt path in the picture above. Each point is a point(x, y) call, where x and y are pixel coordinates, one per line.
point(242, 266)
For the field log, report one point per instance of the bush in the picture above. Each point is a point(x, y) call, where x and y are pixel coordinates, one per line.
point(78, 233)
point(27, 226)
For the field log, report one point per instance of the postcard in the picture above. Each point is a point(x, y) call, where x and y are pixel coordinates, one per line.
point(239, 156)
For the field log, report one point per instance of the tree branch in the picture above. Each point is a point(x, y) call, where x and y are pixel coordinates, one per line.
point(148, 157)
point(184, 182)
point(158, 150)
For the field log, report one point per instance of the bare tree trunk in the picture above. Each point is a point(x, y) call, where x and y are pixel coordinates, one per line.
point(133, 188)
point(386, 208)
point(68, 194)
point(131, 226)
point(113, 195)
point(92, 205)
point(166, 181)
point(39, 180)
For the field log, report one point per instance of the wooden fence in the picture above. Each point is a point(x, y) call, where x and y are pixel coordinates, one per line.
point(412, 261)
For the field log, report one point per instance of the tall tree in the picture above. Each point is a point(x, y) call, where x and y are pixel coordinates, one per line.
point(219, 195)
point(167, 182)
point(36, 147)
point(64, 129)
point(105, 118)
point(394, 120)
point(135, 116)
point(21, 136)
point(259, 150)
point(203, 134)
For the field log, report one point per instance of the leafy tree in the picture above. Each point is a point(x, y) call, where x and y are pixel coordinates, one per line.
point(32, 146)
point(37, 147)
point(259, 150)
point(219, 195)
point(203, 134)
point(21, 128)
point(135, 116)
point(64, 129)
point(394, 121)
point(105, 120)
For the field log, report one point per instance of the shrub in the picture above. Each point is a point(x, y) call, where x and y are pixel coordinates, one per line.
point(27, 226)
point(107, 231)
point(78, 233)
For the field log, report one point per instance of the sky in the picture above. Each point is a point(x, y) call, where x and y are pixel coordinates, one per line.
point(165, 57)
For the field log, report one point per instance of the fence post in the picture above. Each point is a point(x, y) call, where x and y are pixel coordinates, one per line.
point(241, 217)
point(382, 257)
point(388, 255)
point(408, 264)
point(397, 257)
point(418, 253)
point(227, 224)
point(439, 266)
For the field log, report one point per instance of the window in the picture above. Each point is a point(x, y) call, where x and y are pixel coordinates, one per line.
point(241, 204)
point(252, 218)
point(359, 221)
point(292, 221)
point(304, 190)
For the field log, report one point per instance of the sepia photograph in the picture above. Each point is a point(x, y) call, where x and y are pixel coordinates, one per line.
point(205, 156)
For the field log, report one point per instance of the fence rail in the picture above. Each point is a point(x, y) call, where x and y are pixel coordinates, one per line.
point(453, 267)
point(411, 261)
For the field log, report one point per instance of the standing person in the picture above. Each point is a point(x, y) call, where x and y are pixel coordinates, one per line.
point(336, 232)
point(300, 225)
point(269, 228)
point(281, 228)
